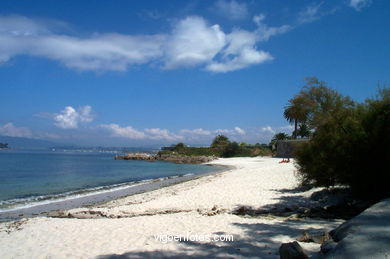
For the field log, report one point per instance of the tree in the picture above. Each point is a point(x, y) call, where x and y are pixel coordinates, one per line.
point(303, 131)
point(220, 142)
point(278, 136)
point(180, 145)
point(231, 149)
point(314, 106)
point(296, 112)
point(243, 144)
point(350, 144)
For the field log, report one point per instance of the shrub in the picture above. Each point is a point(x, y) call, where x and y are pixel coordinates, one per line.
point(231, 150)
point(350, 147)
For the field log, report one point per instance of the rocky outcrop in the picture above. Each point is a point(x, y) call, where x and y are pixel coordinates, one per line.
point(186, 159)
point(137, 156)
point(178, 159)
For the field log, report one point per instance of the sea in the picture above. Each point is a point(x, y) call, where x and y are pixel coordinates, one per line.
point(31, 178)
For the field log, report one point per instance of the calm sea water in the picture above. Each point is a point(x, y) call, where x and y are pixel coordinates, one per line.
point(33, 176)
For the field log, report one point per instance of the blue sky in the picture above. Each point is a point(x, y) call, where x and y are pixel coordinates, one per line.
point(134, 73)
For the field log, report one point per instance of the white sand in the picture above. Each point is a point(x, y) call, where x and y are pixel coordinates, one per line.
point(180, 209)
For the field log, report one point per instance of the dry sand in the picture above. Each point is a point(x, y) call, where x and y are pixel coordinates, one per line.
point(200, 207)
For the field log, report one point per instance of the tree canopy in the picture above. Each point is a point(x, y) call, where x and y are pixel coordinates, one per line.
point(350, 144)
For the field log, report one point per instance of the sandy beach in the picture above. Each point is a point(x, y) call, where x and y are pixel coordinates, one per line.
point(132, 227)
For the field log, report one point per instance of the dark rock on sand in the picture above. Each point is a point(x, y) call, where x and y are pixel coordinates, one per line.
point(292, 251)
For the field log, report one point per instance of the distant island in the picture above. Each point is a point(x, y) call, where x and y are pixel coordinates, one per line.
point(4, 146)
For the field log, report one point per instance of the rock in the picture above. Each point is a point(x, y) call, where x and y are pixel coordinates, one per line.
point(364, 236)
point(328, 246)
point(292, 251)
point(179, 159)
point(304, 237)
point(319, 237)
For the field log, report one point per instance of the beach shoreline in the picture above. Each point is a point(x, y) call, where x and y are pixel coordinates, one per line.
point(102, 195)
point(128, 226)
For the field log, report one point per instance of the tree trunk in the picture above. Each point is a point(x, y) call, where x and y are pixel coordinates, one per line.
point(295, 129)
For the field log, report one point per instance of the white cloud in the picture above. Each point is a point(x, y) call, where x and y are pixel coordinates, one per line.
point(164, 134)
point(232, 9)
point(239, 130)
point(265, 32)
point(240, 50)
point(23, 36)
point(310, 13)
point(268, 129)
point(10, 130)
point(124, 132)
point(235, 131)
point(359, 4)
point(69, 118)
point(131, 133)
point(192, 42)
point(198, 131)
point(245, 58)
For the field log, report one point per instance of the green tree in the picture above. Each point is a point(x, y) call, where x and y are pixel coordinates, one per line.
point(351, 146)
point(231, 150)
point(220, 142)
point(180, 146)
point(303, 131)
point(243, 144)
point(314, 106)
point(296, 112)
point(278, 136)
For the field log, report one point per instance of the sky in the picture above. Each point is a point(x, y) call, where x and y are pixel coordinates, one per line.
point(139, 73)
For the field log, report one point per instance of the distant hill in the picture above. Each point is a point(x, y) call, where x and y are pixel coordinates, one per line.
point(27, 143)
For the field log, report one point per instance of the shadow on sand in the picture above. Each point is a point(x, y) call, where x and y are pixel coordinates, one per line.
point(257, 241)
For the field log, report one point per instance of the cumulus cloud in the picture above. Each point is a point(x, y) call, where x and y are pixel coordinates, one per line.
point(70, 118)
point(192, 42)
point(124, 132)
point(359, 4)
point(131, 133)
point(268, 129)
point(10, 130)
point(239, 130)
point(241, 47)
point(232, 9)
point(198, 131)
point(235, 131)
point(163, 134)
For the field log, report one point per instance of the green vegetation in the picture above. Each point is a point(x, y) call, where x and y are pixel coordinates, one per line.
point(279, 136)
point(350, 143)
point(221, 146)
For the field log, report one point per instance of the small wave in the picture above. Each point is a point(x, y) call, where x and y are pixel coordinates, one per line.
point(32, 201)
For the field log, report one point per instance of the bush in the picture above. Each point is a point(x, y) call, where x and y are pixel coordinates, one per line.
point(220, 142)
point(351, 147)
point(231, 150)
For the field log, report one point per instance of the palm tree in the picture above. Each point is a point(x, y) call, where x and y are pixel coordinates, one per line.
point(296, 112)
point(276, 138)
